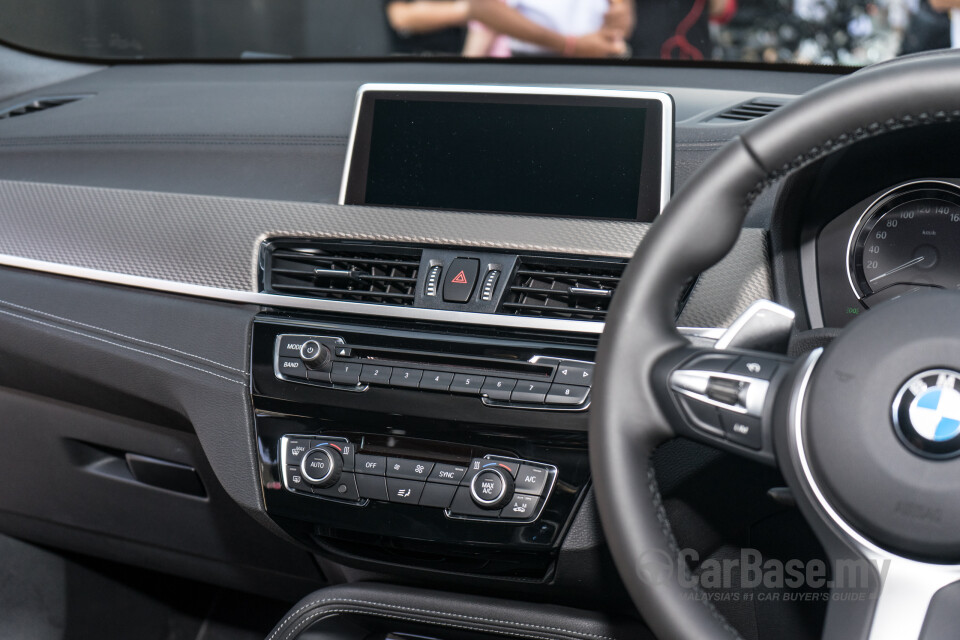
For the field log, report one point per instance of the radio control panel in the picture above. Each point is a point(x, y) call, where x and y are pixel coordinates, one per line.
point(537, 383)
point(491, 489)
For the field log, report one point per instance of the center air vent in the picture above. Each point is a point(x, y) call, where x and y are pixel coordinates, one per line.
point(751, 110)
point(562, 288)
point(340, 271)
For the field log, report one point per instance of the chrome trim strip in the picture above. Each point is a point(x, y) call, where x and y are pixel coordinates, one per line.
point(666, 133)
point(777, 319)
point(333, 306)
point(908, 585)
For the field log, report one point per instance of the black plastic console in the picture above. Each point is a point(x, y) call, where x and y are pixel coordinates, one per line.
point(411, 447)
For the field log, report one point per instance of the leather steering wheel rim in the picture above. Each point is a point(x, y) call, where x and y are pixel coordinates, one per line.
point(697, 229)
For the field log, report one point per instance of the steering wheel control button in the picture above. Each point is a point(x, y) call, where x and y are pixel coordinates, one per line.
point(460, 279)
point(373, 487)
point(295, 479)
point(437, 495)
point(345, 373)
point(372, 465)
point(292, 368)
point(750, 367)
point(404, 491)
point(375, 374)
point(567, 394)
point(530, 392)
point(531, 479)
point(406, 378)
point(521, 507)
point(465, 383)
point(447, 474)
point(702, 416)
point(436, 381)
point(724, 390)
point(321, 466)
point(491, 488)
point(409, 469)
point(498, 388)
point(742, 430)
point(574, 373)
point(345, 488)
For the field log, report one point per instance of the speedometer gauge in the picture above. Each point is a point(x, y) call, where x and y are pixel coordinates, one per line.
point(907, 240)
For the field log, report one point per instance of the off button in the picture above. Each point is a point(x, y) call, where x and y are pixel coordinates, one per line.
point(460, 279)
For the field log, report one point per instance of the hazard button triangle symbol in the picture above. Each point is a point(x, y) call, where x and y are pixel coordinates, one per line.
point(460, 278)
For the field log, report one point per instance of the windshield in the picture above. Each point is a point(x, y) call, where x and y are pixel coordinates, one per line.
point(825, 32)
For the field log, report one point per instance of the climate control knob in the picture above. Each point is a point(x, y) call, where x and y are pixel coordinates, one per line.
point(321, 466)
point(492, 488)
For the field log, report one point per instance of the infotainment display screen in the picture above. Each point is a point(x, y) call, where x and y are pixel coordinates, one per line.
point(520, 150)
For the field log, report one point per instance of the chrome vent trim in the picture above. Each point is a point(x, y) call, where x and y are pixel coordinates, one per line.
point(570, 289)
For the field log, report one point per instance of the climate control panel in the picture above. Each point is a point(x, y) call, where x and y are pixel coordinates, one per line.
point(492, 488)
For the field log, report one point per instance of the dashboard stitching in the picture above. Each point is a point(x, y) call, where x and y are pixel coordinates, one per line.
point(122, 346)
point(325, 601)
point(830, 145)
point(667, 532)
point(120, 335)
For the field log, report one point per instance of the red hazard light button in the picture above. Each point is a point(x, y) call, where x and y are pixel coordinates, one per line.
point(460, 279)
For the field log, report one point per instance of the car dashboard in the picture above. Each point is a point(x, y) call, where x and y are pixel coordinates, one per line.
point(173, 350)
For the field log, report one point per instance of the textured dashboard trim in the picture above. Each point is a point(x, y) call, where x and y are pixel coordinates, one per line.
point(208, 247)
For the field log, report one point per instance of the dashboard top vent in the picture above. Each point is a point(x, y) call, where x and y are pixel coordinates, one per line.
point(746, 111)
point(562, 288)
point(374, 274)
point(40, 104)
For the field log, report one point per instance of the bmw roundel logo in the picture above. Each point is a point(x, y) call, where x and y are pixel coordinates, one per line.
point(926, 413)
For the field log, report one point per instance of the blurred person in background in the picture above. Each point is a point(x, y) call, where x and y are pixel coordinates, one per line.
point(679, 29)
point(572, 28)
point(428, 26)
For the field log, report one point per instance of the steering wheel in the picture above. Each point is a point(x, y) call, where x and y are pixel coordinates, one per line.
point(866, 432)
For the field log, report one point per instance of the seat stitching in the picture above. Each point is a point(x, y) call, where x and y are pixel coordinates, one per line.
point(119, 335)
point(318, 603)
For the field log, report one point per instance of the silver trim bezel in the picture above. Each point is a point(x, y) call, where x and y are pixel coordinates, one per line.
point(855, 232)
point(665, 100)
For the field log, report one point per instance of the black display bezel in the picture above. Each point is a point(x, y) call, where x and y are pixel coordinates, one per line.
point(655, 158)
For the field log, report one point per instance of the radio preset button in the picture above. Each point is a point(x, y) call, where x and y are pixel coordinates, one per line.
point(567, 394)
point(347, 373)
point(498, 388)
point(375, 374)
point(436, 381)
point(406, 378)
point(466, 383)
point(530, 392)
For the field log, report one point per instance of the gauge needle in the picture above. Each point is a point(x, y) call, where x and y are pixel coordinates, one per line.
point(905, 265)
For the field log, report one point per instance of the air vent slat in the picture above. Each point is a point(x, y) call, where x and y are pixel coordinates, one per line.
point(562, 288)
point(751, 110)
point(342, 271)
